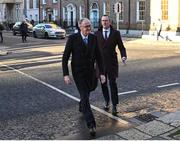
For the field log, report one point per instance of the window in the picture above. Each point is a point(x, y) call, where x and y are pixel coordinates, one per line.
point(44, 14)
point(55, 14)
point(31, 4)
point(37, 3)
point(141, 10)
point(82, 12)
point(44, 1)
point(164, 8)
point(55, 1)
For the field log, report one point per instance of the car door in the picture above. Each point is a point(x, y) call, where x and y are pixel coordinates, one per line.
point(38, 31)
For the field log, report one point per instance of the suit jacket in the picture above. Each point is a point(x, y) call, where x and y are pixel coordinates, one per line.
point(108, 48)
point(82, 59)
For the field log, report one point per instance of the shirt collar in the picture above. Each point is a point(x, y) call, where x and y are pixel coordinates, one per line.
point(84, 36)
point(106, 30)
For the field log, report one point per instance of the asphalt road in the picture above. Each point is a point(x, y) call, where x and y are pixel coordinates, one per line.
point(36, 104)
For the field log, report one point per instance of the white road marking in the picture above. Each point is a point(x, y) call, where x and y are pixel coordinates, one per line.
point(67, 95)
point(168, 85)
point(128, 92)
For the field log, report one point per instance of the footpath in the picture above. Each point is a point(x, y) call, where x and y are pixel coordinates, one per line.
point(164, 128)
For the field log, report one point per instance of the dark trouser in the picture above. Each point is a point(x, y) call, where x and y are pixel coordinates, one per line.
point(1, 37)
point(84, 102)
point(159, 34)
point(113, 88)
point(24, 36)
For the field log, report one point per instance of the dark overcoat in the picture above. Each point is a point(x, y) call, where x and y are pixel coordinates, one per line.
point(108, 48)
point(83, 58)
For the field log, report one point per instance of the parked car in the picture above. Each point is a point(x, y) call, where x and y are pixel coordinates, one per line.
point(48, 30)
point(16, 28)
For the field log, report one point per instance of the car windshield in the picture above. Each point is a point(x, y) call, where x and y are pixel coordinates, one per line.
point(51, 26)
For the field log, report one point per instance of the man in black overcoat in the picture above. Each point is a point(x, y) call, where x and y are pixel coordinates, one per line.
point(108, 40)
point(84, 51)
point(24, 31)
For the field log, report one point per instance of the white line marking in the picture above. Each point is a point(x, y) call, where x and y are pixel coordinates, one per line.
point(168, 85)
point(128, 92)
point(68, 95)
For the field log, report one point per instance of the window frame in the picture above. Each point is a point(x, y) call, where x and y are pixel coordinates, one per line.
point(164, 10)
point(141, 12)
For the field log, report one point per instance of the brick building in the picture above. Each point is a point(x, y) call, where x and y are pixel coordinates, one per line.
point(135, 16)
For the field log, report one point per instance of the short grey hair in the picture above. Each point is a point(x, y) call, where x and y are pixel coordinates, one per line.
point(83, 19)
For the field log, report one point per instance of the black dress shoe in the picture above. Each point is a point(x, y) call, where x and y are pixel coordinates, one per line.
point(114, 111)
point(106, 107)
point(92, 131)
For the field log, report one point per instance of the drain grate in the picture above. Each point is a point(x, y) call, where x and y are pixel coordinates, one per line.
point(146, 117)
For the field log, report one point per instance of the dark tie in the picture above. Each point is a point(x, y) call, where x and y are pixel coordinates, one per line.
point(85, 40)
point(105, 37)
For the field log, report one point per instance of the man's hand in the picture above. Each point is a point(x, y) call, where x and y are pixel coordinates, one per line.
point(103, 79)
point(124, 60)
point(67, 79)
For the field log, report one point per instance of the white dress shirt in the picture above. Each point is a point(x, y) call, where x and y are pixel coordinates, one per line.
point(108, 32)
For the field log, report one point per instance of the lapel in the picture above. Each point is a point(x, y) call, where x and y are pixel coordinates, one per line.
point(111, 31)
point(85, 48)
point(83, 45)
point(102, 37)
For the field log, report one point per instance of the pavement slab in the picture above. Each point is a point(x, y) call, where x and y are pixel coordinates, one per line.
point(134, 134)
point(155, 128)
point(171, 119)
point(110, 137)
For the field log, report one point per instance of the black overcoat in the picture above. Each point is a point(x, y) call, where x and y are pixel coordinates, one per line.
point(83, 58)
point(108, 48)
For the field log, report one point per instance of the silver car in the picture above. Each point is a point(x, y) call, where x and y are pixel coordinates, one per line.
point(48, 30)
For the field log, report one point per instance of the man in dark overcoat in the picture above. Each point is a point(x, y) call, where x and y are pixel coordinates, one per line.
point(108, 40)
point(1, 30)
point(24, 31)
point(84, 51)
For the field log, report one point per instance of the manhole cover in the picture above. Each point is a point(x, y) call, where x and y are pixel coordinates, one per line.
point(146, 117)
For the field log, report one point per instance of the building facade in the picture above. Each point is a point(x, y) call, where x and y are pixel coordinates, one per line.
point(11, 11)
point(132, 16)
point(31, 10)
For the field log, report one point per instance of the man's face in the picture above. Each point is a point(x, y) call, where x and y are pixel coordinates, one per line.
point(85, 27)
point(105, 22)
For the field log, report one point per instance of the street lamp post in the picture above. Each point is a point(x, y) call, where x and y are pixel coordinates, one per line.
point(129, 17)
point(39, 1)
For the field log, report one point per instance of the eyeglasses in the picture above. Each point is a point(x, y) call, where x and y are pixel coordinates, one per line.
point(104, 20)
point(87, 26)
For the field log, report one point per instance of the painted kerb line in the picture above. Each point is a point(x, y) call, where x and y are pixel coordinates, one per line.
point(168, 85)
point(67, 95)
point(128, 92)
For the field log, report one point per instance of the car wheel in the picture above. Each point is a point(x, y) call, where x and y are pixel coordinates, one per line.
point(46, 36)
point(34, 34)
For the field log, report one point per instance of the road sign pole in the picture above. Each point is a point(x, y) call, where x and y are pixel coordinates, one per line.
point(117, 20)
